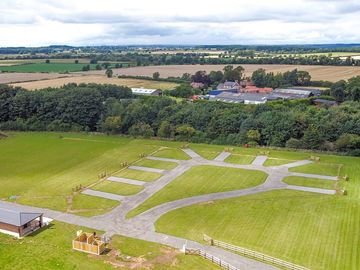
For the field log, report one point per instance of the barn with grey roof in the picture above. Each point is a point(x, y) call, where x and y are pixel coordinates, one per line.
point(16, 221)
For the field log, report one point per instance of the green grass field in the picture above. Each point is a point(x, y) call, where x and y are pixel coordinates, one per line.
point(206, 151)
point(173, 153)
point(43, 168)
point(50, 248)
point(310, 182)
point(118, 188)
point(138, 175)
point(239, 159)
point(156, 164)
point(202, 180)
point(43, 67)
point(86, 205)
point(313, 230)
point(276, 162)
point(331, 169)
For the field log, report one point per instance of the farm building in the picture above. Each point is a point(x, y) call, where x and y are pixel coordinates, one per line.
point(89, 243)
point(147, 92)
point(229, 87)
point(17, 222)
point(254, 89)
point(291, 93)
point(324, 102)
point(246, 98)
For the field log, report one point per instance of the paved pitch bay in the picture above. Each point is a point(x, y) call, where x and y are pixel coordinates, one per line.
point(142, 225)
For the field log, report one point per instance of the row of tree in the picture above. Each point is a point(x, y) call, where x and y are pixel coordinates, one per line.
point(113, 109)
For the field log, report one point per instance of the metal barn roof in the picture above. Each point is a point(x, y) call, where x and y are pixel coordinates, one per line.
point(15, 215)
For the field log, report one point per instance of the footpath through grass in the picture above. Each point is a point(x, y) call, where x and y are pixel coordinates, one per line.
point(50, 248)
point(314, 230)
point(202, 180)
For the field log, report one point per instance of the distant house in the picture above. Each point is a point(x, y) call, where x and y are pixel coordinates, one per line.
point(146, 92)
point(228, 86)
point(324, 102)
point(197, 85)
point(15, 221)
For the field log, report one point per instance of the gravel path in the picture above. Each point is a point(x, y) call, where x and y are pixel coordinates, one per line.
point(222, 156)
point(259, 160)
point(324, 177)
point(126, 181)
point(104, 195)
point(310, 189)
point(147, 169)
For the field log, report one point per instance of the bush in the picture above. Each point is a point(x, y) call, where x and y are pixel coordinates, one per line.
point(142, 130)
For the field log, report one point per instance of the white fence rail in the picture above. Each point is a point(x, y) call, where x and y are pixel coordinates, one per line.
point(211, 258)
point(254, 254)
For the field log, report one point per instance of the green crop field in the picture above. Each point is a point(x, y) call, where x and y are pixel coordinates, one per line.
point(50, 248)
point(313, 230)
point(43, 67)
point(202, 180)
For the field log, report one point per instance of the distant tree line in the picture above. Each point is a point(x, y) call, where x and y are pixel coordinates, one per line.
point(113, 109)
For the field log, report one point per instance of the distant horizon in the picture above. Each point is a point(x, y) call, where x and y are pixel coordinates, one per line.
point(189, 45)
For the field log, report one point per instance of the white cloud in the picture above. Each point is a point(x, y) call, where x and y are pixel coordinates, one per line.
point(88, 22)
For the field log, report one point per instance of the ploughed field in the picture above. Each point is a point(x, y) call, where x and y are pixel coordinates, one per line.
point(326, 73)
point(100, 79)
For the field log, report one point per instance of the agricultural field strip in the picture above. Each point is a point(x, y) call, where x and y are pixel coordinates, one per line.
point(142, 226)
point(126, 181)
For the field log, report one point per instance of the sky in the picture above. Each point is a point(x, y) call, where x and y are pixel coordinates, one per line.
point(180, 22)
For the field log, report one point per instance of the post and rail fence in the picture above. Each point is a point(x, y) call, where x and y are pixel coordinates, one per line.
point(207, 256)
point(254, 254)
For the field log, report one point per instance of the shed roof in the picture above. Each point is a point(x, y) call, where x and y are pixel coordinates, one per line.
point(15, 215)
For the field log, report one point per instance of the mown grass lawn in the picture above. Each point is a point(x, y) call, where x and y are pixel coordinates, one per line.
point(313, 230)
point(138, 175)
point(202, 180)
point(310, 182)
point(51, 248)
point(156, 164)
point(277, 162)
point(87, 205)
point(207, 151)
point(240, 159)
point(118, 188)
point(173, 153)
point(331, 169)
point(43, 168)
